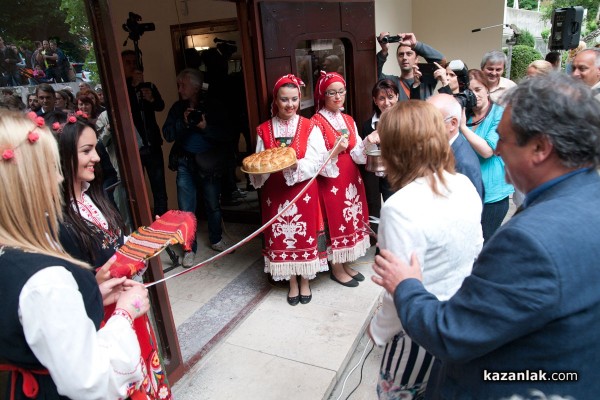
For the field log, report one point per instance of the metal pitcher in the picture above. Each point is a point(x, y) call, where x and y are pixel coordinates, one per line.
point(374, 161)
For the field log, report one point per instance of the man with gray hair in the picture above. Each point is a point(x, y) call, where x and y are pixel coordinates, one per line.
point(526, 318)
point(586, 66)
point(492, 66)
point(199, 158)
point(467, 162)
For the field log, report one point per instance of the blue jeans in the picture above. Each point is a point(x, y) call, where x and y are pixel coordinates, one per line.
point(492, 216)
point(189, 180)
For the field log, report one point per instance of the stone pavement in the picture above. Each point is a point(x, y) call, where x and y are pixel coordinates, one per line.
point(283, 352)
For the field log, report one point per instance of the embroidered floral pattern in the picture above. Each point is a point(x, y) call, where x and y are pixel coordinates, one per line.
point(289, 225)
point(353, 211)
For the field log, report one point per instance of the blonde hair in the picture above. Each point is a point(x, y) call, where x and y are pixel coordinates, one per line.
point(414, 144)
point(573, 52)
point(542, 67)
point(31, 201)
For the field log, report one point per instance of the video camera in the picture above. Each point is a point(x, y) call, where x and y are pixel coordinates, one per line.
point(391, 39)
point(227, 47)
point(465, 97)
point(135, 28)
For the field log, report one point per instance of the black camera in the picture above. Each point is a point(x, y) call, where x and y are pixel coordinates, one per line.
point(195, 117)
point(391, 39)
point(465, 97)
point(135, 28)
point(144, 85)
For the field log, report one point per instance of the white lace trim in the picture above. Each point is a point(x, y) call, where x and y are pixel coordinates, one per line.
point(353, 253)
point(283, 271)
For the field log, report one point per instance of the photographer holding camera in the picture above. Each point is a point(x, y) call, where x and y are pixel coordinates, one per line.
point(409, 49)
point(198, 155)
point(145, 100)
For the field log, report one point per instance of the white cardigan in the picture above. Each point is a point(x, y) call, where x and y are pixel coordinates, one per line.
point(444, 232)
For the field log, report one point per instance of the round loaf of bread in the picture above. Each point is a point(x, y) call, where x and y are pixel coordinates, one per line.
point(269, 160)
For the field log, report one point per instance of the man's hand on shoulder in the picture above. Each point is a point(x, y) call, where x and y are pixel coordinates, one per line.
point(391, 270)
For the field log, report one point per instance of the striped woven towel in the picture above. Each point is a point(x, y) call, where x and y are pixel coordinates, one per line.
point(148, 241)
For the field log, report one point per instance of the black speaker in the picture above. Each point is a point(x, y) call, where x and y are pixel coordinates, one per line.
point(566, 28)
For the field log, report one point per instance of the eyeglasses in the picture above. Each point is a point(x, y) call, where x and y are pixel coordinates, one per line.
point(332, 93)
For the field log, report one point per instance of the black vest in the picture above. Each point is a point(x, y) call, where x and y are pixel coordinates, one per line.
point(16, 267)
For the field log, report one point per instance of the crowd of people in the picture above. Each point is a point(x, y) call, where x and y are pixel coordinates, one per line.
point(463, 294)
point(46, 63)
point(455, 310)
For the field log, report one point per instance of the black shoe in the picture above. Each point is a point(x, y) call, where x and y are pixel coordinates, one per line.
point(351, 283)
point(358, 277)
point(293, 301)
point(306, 299)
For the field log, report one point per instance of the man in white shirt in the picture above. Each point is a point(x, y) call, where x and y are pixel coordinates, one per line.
point(492, 65)
point(586, 66)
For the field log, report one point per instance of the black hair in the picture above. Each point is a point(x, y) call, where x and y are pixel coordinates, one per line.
point(385, 85)
point(67, 145)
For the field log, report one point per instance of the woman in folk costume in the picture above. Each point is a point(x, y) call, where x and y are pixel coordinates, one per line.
point(295, 243)
point(51, 339)
point(92, 231)
point(343, 198)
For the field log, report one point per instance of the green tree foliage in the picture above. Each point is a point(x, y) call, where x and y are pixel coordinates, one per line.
point(524, 4)
point(522, 56)
point(526, 38)
point(77, 19)
point(25, 21)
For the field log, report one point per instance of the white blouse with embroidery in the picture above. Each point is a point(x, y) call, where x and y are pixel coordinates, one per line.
point(359, 152)
point(84, 363)
point(88, 209)
point(305, 168)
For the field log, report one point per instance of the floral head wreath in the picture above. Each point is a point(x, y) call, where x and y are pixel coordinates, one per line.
point(57, 127)
point(8, 153)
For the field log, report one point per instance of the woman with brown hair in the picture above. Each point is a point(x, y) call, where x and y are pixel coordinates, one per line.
point(86, 103)
point(434, 213)
point(480, 131)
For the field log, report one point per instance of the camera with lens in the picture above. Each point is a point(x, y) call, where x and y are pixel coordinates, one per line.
point(391, 39)
point(465, 97)
point(195, 117)
point(144, 85)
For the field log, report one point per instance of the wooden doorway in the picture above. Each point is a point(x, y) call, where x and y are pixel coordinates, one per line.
point(214, 47)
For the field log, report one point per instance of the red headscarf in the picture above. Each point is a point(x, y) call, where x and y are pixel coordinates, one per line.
point(280, 82)
point(326, 79)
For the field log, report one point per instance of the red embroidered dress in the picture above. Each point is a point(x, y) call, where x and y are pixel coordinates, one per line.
point(343, 198)
point(291, 243)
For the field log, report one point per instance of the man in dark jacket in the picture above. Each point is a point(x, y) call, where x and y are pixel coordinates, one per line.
point(411, 83)
point(145, 101)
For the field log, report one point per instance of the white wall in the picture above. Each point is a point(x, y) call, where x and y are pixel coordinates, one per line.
point(444, 25)
point(394, 16)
